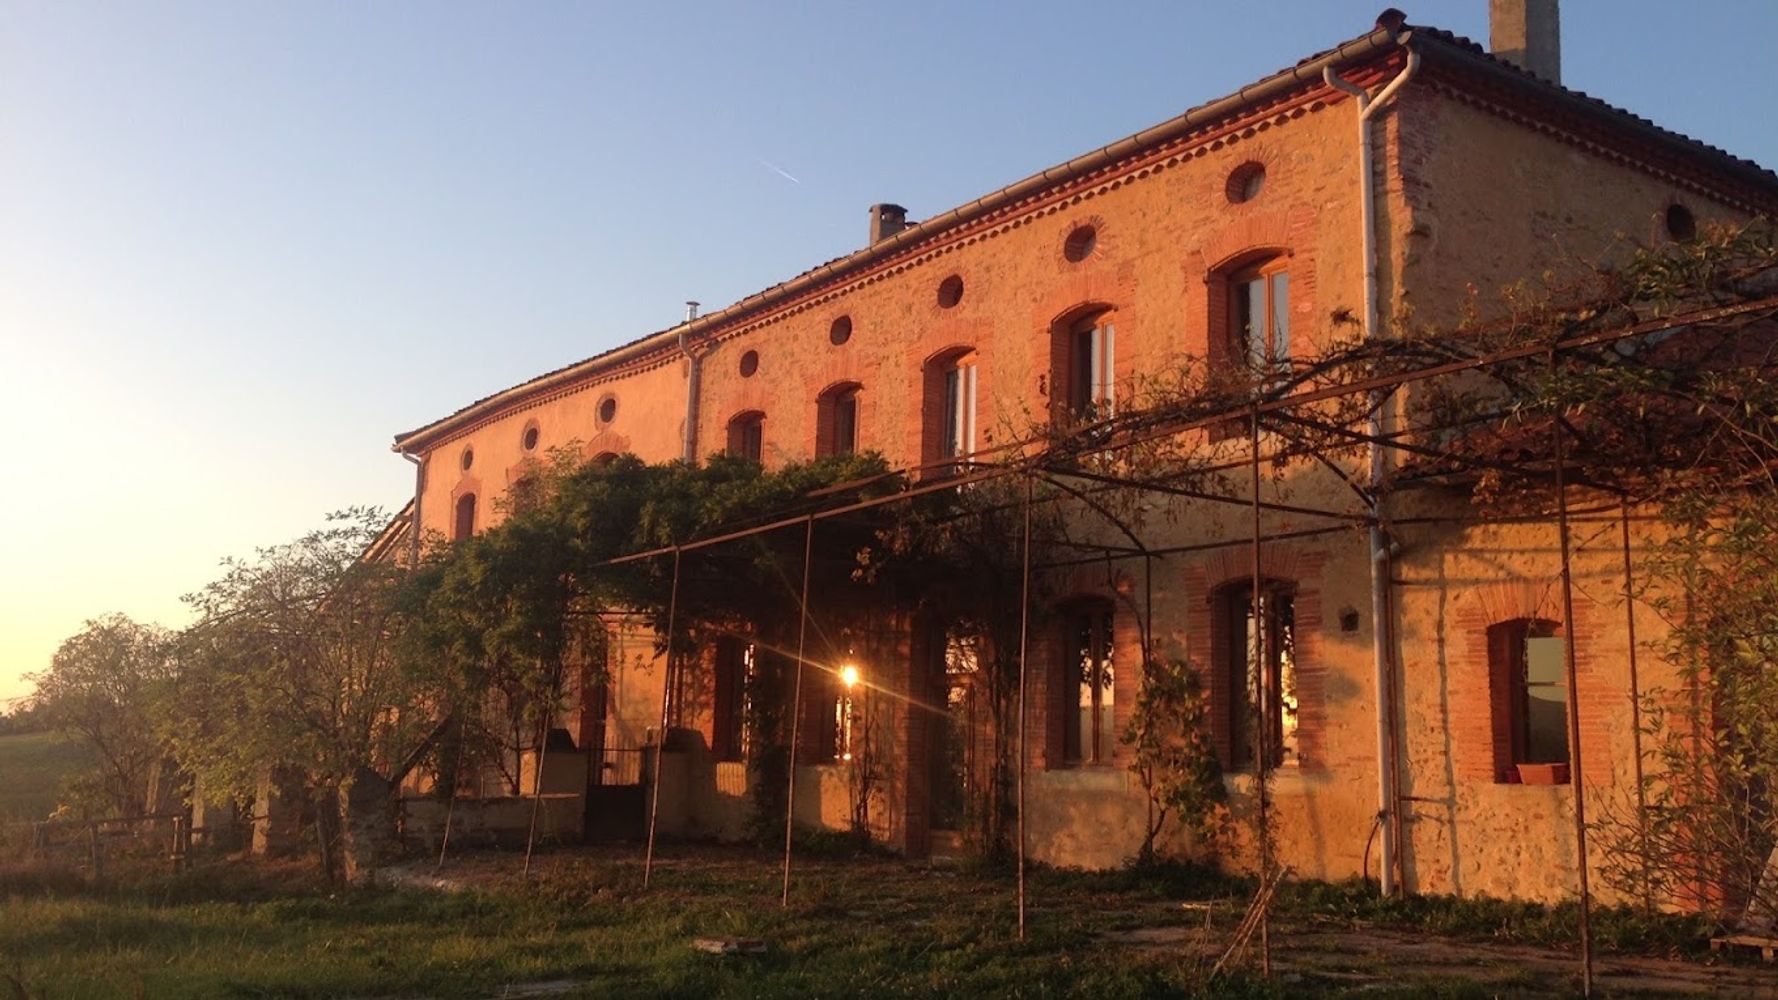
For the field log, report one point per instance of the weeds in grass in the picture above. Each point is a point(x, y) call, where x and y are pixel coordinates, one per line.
point(857, 926)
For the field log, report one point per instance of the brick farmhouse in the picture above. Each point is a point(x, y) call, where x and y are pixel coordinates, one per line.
point(1237, 228)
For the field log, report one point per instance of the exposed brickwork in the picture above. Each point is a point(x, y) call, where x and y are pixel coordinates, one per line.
point(1467, 195)
point(1478, 704)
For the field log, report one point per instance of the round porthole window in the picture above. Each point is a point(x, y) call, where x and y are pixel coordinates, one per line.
point(950, 292)
point(607, 411)
point(749, 364)
point(1246, 182)
point(1080, 243)
point(1681, 225)
point(840, 331)
point(529, 439)
point(468, 458)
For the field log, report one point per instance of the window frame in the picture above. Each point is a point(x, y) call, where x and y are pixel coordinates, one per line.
point(746, 435)
point(732, 674)
point(463, 516)
point(837, 419)
point(1272, 274)
point(1277, 687)
point(950, 381)
point(1509, 688)
point(1091, 366)
point(959, 378)
point(1084, 746)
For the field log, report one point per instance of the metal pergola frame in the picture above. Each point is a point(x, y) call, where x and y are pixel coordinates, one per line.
point(1053, 464)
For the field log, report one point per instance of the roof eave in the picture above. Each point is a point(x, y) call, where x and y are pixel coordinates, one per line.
point(1307, 72)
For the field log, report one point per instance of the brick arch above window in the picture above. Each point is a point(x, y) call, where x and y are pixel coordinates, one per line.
point(1249, 232)
point(1281, 560)
point(935, 339)
point(1533, 598)
point(1107, 289)
point(604, 443)
point(1247, 257)
point(525, 468)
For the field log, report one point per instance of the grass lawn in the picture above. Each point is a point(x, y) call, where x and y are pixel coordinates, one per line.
point(583, 926)
point(32, 766)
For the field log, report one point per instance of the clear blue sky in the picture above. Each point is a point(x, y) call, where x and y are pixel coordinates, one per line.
point(242, 244)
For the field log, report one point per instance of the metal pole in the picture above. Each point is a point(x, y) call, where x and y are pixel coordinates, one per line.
point(1262, 755)
point(1024, 648)
point(1574, 756)
point(1394, 830)
point(549, 718)
point(660, 748)
point(444, 841)
point(1635, 702)
point(796, 708)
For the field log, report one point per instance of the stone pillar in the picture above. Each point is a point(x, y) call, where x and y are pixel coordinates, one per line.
point(277, 814)
point(367, 824)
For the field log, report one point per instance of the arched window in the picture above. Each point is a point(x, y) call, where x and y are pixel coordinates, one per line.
point(1528, 691)
point(836, 420)
point(465, 523)
point(949, 424)
point(1260, 677)
point(525, 494)
point(1258, 328)
point(746, 435)
point(1083, 367)
point(1087, 692)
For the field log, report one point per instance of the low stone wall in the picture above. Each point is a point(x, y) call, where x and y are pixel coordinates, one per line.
point(493, 822)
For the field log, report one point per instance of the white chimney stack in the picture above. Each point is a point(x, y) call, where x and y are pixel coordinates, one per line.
point(1528, 34)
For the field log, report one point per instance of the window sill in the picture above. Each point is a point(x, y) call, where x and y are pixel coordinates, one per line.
point(1285, 776)
point(1539, 774)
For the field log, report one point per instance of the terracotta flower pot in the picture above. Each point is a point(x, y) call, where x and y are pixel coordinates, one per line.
point(1543, 774)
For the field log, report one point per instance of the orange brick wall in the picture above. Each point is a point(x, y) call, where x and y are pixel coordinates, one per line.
point(1166, 228)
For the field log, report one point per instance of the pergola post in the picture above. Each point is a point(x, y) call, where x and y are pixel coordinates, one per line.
point(1635, 701)
point(660, 750)
point(1024, 650)
point(1575, 775)
point(796, 707)
point(1263, 736)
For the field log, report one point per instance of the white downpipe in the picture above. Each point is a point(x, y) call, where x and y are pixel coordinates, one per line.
point(1379, 540)
point(413, 528)
point(693, 382)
